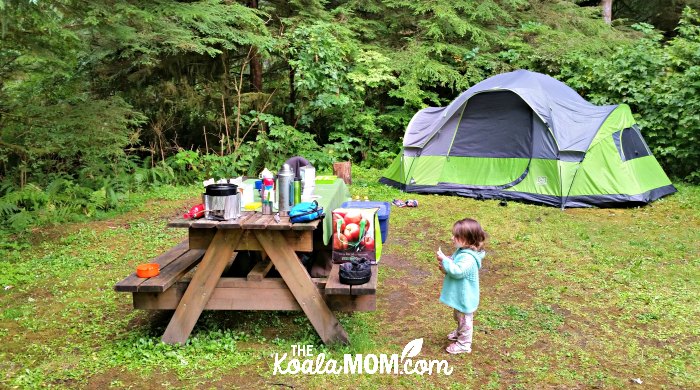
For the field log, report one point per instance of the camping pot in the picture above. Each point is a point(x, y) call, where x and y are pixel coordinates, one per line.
point(285, 190)
point(221, 202)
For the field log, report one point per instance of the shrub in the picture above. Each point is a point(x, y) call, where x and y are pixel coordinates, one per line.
point(661, 83)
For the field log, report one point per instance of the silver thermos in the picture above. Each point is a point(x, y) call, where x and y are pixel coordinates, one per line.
point(285, 190)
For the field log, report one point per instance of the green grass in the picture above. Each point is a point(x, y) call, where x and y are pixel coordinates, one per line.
point(579, 298)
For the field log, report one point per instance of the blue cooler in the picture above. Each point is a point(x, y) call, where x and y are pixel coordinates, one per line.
point(382, 214)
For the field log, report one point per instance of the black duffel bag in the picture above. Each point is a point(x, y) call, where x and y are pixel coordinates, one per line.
point(355, 272)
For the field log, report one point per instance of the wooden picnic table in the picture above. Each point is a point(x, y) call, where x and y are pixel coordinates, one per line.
point(211, 246)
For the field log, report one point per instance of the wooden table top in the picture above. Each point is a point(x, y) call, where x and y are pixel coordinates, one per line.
point(249, 220)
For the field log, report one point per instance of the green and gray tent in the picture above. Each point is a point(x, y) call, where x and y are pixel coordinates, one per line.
point(527, 136)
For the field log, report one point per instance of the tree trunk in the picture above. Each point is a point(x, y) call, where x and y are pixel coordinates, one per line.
point(255, 61)
point(606, 5)
point(344, 171)
point(292, 96)
point(255, 71)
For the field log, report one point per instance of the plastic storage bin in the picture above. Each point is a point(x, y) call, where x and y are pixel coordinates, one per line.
point(382, 214)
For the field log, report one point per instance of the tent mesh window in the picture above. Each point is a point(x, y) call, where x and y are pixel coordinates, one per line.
point(630, 144)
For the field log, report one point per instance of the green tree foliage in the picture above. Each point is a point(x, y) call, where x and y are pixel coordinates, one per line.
point(49, 116)
point(85, 83)
point(179, 63)
point(101, 98)
point(661, 82)
point(430, 43)
point(334, 79)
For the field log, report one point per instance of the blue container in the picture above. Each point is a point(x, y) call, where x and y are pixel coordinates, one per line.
point(382, 214)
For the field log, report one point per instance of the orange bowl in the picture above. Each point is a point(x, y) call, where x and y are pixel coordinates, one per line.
point(147, 270)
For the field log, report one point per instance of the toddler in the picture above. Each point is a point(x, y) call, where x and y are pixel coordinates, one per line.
point(460, 288)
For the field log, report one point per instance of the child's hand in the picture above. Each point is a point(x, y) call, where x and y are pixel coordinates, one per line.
point(442, 269)
point(440, 255)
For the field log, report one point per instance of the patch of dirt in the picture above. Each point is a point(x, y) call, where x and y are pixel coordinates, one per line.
point(154, 320)
point(249, 379)
point(121, 378)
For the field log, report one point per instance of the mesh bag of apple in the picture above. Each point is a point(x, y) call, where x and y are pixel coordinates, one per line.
point(353, 234)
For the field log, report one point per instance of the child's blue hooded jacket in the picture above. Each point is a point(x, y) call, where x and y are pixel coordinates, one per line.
point(460, 289)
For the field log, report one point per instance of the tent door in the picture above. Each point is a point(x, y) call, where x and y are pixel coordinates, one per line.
point(492, 144)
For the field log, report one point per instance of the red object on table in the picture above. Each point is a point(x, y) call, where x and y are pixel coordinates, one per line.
point(195, 212)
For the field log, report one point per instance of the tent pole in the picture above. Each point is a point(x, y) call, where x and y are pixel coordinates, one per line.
point(573, 179)
point(561, 185)
point(410, 169)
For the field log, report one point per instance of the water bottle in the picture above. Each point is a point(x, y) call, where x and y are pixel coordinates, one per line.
point(268, 195)
point(285, 190)
point(297, 191)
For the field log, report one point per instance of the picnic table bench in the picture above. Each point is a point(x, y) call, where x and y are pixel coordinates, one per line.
point(191, 280)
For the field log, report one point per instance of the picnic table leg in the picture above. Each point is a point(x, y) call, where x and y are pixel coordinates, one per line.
point(302, 287)
point(202, 285)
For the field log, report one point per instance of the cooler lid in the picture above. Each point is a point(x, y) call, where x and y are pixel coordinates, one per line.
point(383, 212)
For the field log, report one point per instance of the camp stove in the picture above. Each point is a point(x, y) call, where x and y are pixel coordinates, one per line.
point(221, 202)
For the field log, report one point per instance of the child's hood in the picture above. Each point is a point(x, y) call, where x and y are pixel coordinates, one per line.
point(478, 255)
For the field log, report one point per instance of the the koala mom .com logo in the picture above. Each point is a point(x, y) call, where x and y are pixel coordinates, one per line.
point(303, 361)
